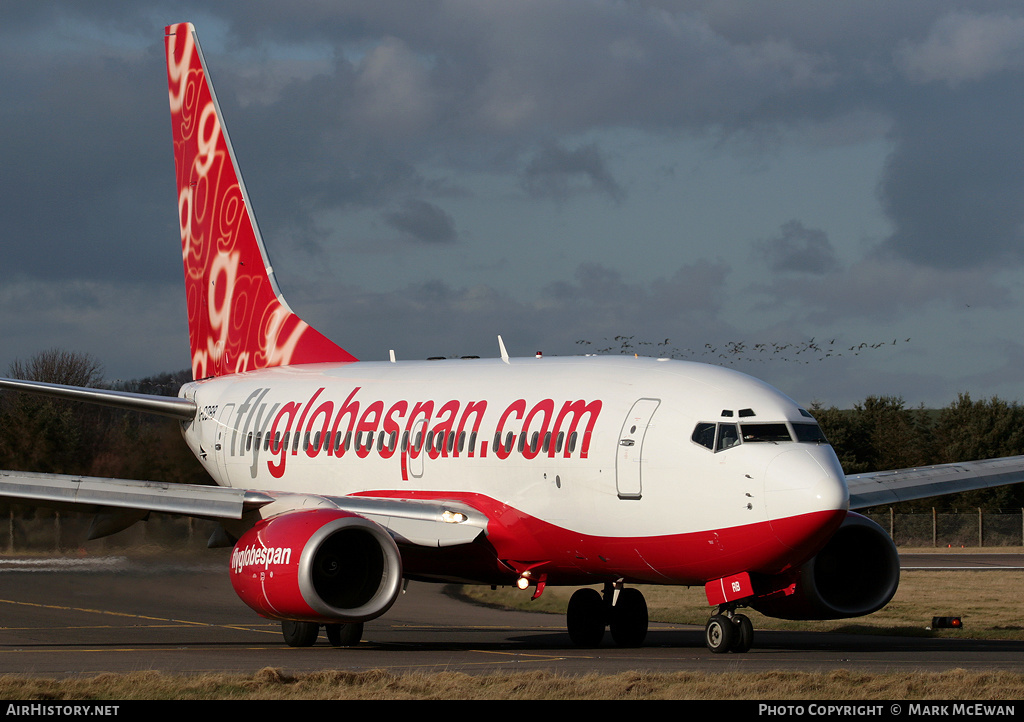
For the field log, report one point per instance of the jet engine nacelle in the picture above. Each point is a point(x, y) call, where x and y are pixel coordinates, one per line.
point(856, 573)
point(317, 565)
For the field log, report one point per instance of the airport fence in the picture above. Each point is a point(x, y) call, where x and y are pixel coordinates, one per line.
point(37, 530)
point(977, 528)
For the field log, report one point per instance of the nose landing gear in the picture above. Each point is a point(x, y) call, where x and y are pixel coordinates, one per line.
point(727, 631)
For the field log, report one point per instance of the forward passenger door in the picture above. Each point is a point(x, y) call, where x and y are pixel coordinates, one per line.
point(629, 457)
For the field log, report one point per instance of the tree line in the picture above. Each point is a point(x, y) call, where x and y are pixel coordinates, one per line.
point(39, 433)
point(64, 437)
point(881, 433)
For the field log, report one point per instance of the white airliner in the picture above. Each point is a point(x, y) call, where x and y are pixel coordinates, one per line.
point(338, 479)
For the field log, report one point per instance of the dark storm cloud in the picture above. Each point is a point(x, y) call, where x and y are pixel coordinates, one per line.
point(357, 97)
point(485, 87)
point(883, 290)
point(558, 173)
point(509, 66)
point(799, 249)
point(360, 106)
point(423, 222)
point(596, 302)
point(600, 301)
point(480, 83)
point(311, 156)
point(954, 183)
point(134, 328)
point(86, 189)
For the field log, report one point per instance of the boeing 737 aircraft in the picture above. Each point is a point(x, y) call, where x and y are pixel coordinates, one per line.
point(338, 479)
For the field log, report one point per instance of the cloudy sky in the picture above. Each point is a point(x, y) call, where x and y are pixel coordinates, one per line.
point(718, 180)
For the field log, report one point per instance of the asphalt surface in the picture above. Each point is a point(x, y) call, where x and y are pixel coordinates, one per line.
point(116, 614)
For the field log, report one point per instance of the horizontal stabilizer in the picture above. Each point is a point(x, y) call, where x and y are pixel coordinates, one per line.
point(178, 408)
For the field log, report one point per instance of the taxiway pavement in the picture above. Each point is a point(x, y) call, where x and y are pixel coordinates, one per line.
point(119, 614)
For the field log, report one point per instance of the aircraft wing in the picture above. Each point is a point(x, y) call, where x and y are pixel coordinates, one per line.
point(422, 523)
point(119, 503)
point(890, 487)
point(90, 493)
point(173, 406)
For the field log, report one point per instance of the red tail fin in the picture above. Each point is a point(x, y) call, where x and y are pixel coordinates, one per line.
point(237, 318)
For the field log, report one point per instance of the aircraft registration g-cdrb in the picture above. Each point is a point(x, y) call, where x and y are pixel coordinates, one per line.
point(338, 479)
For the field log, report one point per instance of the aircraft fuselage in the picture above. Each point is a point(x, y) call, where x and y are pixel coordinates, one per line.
point(588, 468)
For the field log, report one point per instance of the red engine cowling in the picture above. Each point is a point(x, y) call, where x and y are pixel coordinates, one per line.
point(318, 565)
point(856, 573)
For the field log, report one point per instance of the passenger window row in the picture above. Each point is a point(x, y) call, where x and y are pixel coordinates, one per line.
point(439, 442)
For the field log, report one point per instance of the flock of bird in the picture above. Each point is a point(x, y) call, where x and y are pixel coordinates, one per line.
point(733, 352)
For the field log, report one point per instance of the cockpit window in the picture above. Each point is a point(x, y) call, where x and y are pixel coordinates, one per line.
point(773, 433)
point(716, 436)
point(727, 437)
point(721, 436)
point(809, 433)
point(704, 435)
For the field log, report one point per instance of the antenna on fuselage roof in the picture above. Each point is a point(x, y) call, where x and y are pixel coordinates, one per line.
point(392, 354)
point(504, 353)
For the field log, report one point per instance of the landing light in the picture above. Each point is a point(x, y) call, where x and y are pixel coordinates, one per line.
point(522, 582)
point(453, 517)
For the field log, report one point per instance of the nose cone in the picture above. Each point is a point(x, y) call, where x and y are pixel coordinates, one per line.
point(805, 496)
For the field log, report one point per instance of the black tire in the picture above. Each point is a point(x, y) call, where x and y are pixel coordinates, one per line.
point(585, 618)
point(299, 634)
point(744, 634)
point(719, 634)
point(344, 635)
point(628, 622)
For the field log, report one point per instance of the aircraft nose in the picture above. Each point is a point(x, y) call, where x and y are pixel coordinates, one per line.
point(805, 495)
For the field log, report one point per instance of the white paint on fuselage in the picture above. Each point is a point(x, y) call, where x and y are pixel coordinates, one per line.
point(685, 487)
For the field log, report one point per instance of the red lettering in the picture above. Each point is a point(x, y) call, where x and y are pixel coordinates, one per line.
point(302, 418)
point(411, 447)
point(427, 409)
point(503, 447)
point(576, 409)
point(367, 428)
point(321, 435)
point(451, 434)
point(279, 445)
point(534, 441)
point(443, 429)
point(392, 428)
point(350, 408)
point(477, 409)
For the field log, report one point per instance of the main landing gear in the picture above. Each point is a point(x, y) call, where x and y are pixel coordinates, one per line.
point(623, 611)
point(304, 634)
point(727, 631)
